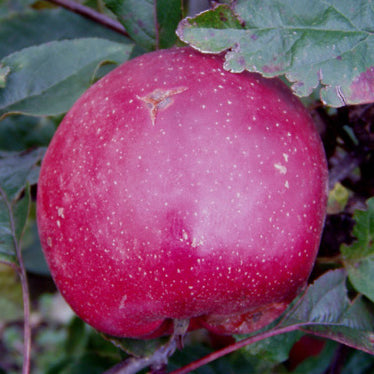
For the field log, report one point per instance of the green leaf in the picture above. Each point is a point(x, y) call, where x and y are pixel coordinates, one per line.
point(77, 340)
point(48, 79)
point(90, 362)
point(17, 172)
point(85, 352)
point(151, 24)
point(360, 91)
point(32, 254)
point(13, 217)
point(358, 363)
point(13, 6)
point(18, 133)
point(169, 13)
point(275, 349)
point(325, 301)
point(359, 257)
point(38, 27)
point(136, 347)
point(238, 362)
point(325, 310)
point(328, 44)
point(219, 27)
point(354, 329)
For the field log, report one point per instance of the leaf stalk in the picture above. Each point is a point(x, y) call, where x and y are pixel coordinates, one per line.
point(21, 270)
point(92, 15)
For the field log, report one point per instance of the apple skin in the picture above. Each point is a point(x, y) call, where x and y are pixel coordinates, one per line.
point(174, 189)
point(307, 346)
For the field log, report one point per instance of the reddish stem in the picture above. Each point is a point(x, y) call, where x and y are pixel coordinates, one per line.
point(92, 15)
point(14, 266)
point(25, 288)
point(233, 347)
point(27, 324)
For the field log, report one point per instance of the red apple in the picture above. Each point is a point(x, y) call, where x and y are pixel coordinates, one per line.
point(174, 189)
point(307, 346)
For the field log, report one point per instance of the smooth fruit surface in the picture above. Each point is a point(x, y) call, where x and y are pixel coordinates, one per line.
point(174, 189)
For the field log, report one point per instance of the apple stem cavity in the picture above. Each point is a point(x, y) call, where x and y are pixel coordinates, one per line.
point(159, 100)
point(159, 359)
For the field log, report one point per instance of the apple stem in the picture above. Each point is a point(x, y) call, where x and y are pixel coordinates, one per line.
point(159, 359)
point(180, 329)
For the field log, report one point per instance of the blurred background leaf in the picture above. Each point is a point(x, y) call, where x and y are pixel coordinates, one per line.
point(13, 6)
point(18, 133)
point(47, 79)
point(33, 27)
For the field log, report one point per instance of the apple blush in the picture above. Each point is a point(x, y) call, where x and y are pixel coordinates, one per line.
point(175, 190)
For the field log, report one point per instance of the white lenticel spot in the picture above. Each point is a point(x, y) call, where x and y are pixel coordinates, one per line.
point(281, 168)
point(60, 212)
